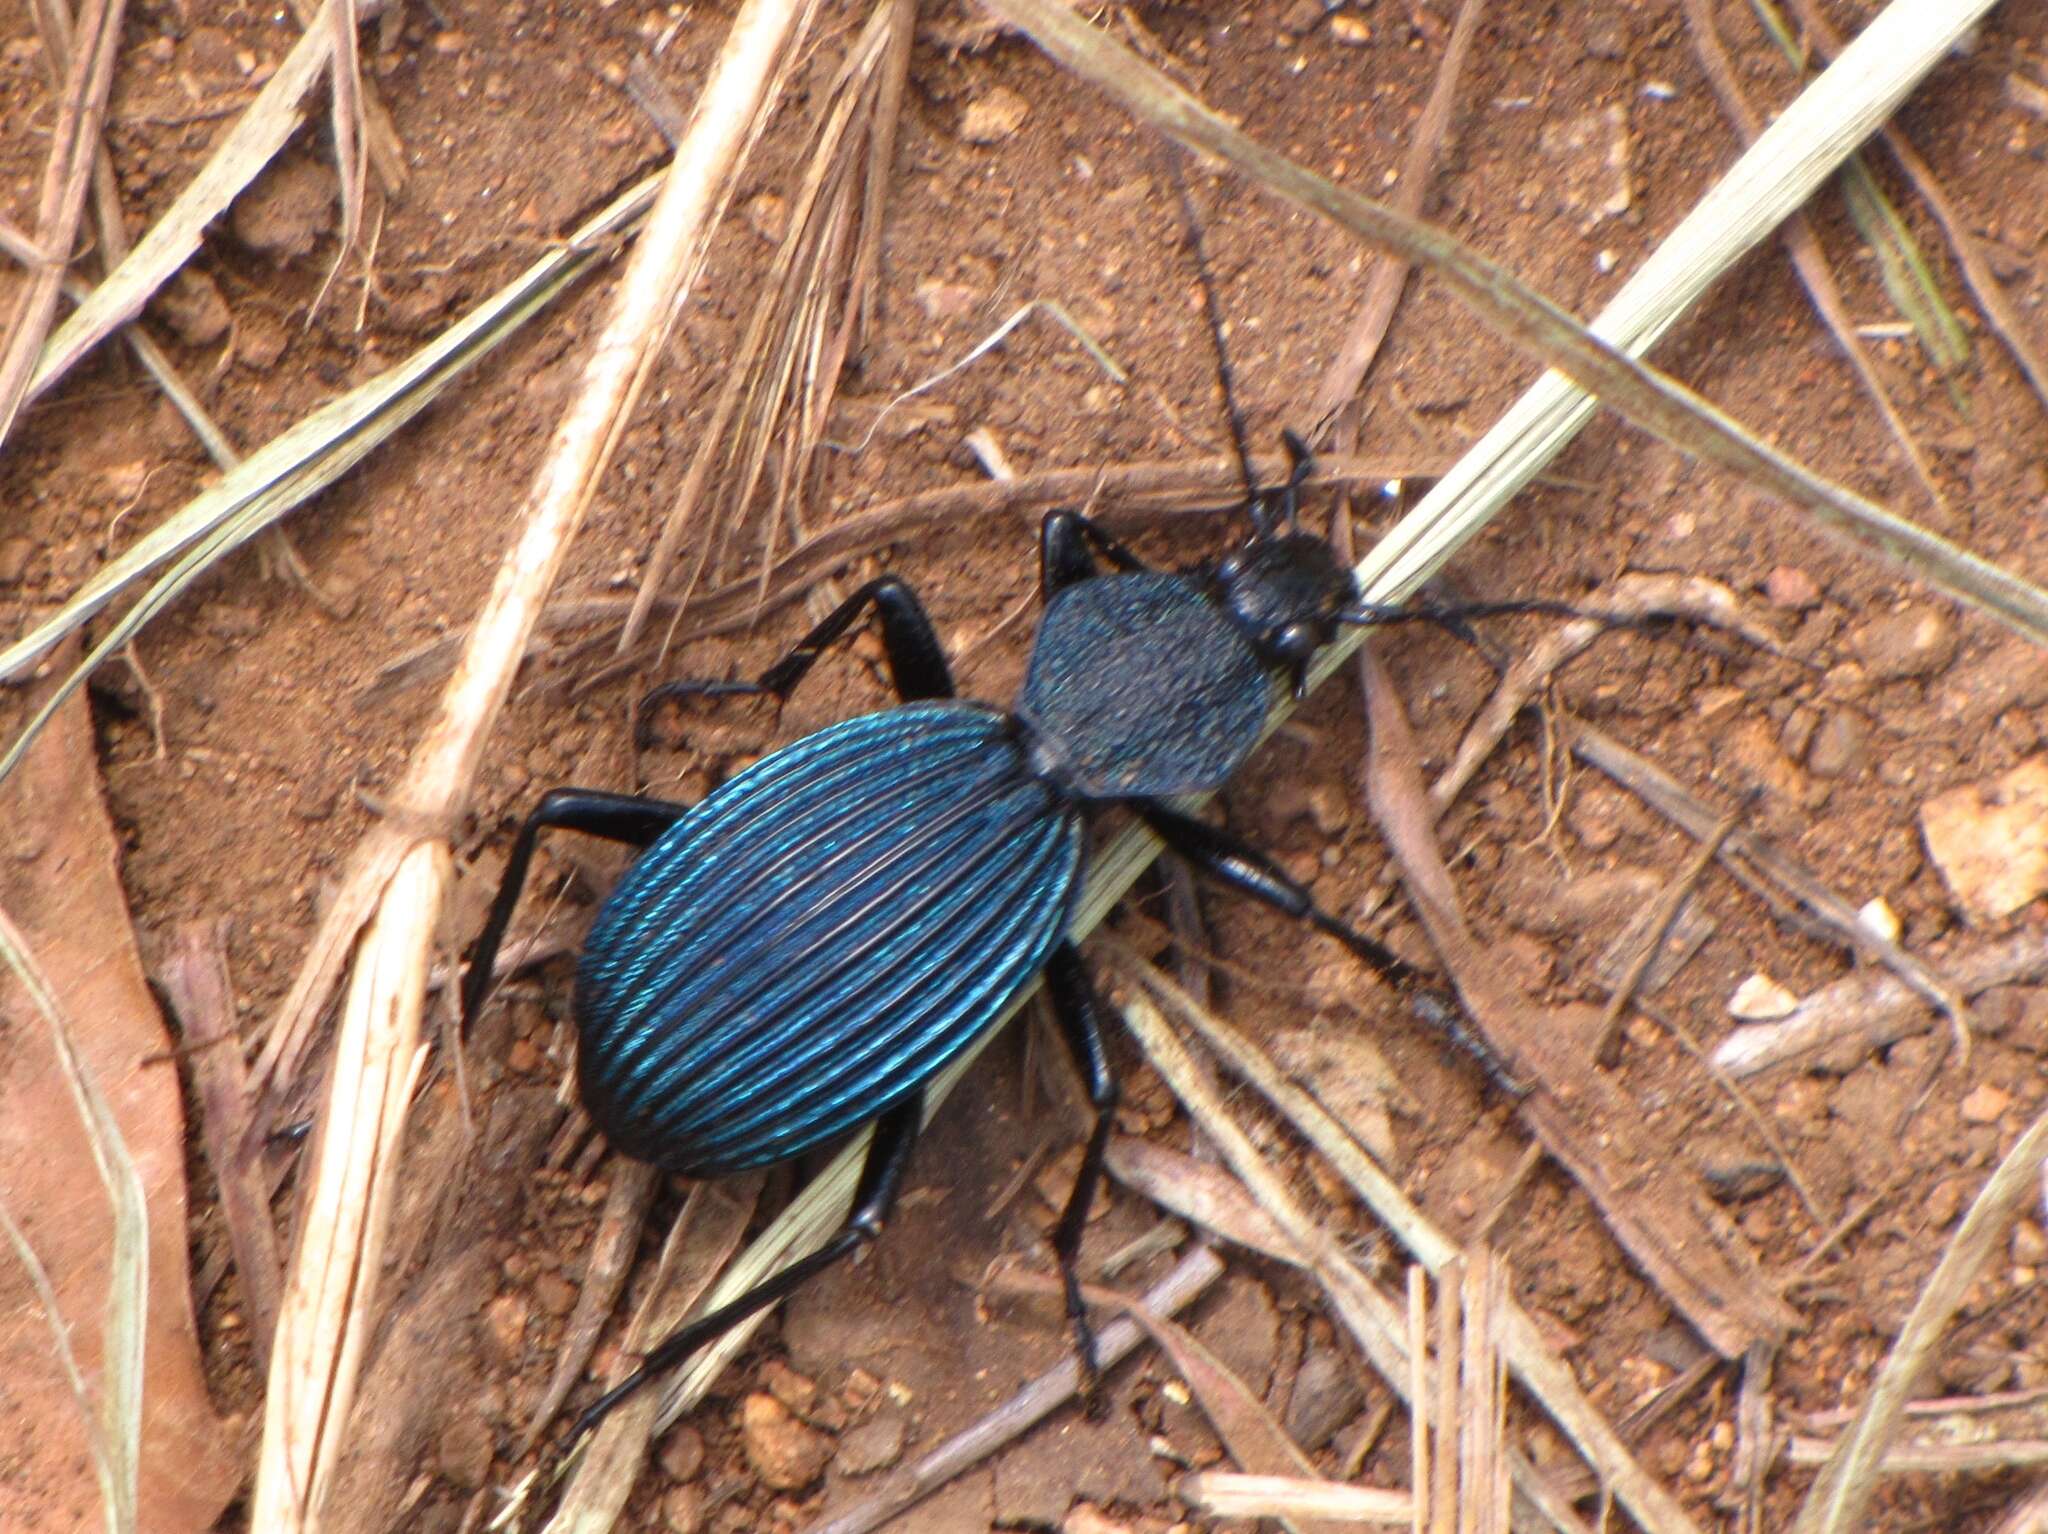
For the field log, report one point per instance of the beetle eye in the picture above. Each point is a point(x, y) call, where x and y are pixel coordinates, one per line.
point(1297, 643)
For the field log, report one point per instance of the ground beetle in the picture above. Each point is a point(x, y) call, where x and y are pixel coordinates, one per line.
point(801, 952)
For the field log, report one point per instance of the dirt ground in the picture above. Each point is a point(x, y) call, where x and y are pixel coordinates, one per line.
point(270, 758)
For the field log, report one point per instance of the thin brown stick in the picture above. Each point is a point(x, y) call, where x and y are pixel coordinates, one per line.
point(1337, 397)
point(1033, 1404)
point(1745, 851)
point(605, 1269)
point(195, 980)
point(1803, 245)
point(66, 180)
point(53, 21)
point(1607, 1042)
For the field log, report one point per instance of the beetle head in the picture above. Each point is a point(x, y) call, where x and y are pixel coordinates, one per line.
point(1287, 592)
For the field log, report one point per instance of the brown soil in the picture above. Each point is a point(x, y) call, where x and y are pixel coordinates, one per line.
point(513, 122)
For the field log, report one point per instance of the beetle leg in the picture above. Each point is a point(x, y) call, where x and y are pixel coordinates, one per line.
point(881, 1179)
point(1079, 1012)
point(1232, 861)
point(627, 818)
point(1067, 545)
point(917, 661)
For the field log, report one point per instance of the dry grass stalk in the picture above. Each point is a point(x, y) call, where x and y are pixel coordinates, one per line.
point(1539, 1370)
point(74, 150)
point(1230, 1494)
point(1840, 1497)
point(244, 150)
point(351, 139)
point(817, 298)
point(1482, 1398)
point(1803, 245)
point(402, 872)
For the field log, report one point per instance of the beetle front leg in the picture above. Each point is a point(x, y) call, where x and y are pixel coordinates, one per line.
point(917, 661)
point(1067, 545)
point(1232, 861)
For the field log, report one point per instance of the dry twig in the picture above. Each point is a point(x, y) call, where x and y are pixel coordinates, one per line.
point(398, 882)
point(74, 147)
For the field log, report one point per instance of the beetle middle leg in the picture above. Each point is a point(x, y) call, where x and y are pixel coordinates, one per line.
point(1232, 861)
point(881, 1179)
point(917, 661)
point(630, 818)
point(1078, 1010)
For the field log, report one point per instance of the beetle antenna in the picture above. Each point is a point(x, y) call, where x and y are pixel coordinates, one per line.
point(1255, 500)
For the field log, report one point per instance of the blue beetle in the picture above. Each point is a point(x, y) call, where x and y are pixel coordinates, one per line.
point(801, 952)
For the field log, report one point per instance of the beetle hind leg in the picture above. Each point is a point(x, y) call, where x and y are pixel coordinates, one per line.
point(1079, 1012)
point(881, 1179)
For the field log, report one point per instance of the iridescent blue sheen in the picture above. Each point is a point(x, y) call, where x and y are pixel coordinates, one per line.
point(820, 936)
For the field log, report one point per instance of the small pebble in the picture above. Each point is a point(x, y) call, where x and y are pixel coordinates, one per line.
point(1760, 999)
point(1735, 1171)
point(861, 1388)
point(1839, 746)
point(796, 1391)
point(465, 1451)
point(1986, 1104)
point(1915, 641)
point(192, 306)
point(993, 116)
point(554, 1294)
point(682, 1453)
point(768, 216)
point(682, 1510)
point(2029, 1244)
point(1789, 586)
point(505, 1325)
point(1990, 841)
point(785, 1453)
point(288, 208)
point(14, 557)
point(1087, 1518)
point(874, 1445)
point(1878, 918)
